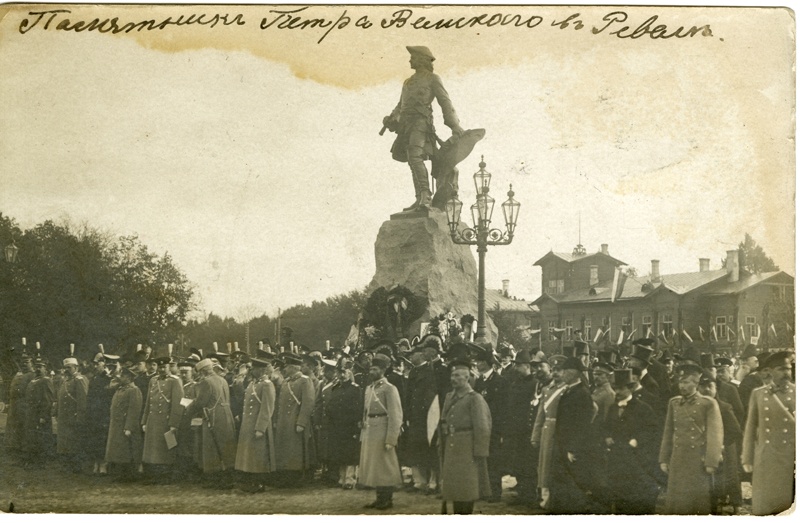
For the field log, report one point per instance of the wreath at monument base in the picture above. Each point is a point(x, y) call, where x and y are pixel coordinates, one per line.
point(393, 310)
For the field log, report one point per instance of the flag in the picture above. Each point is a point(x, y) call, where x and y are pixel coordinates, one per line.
point(714, 332)
point(621, 337)
point(537, 331)
point(674, 332)
point(772, 328)
point(687, 336)
point(663, 336)
point(758, 333)
point(733, 332)
point(649, 332)
point(741, 330)
point(788, 327)
point(614, 284)
point(631, 335)
point(597, 336)
point(434, 415)
point(702, 337)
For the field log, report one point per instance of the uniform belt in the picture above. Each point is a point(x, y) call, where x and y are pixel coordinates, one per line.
point(382, 414)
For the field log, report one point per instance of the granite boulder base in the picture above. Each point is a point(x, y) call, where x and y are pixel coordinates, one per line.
point(415, 250)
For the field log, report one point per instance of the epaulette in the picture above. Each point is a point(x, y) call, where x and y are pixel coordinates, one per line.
point(675, 398)
point(172, 376)
point(762, 387)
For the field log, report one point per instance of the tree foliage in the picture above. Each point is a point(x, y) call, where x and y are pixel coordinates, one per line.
point(752, 257)
point(77, 284)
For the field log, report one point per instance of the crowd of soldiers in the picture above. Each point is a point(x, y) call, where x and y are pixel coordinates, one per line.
point(584, 432)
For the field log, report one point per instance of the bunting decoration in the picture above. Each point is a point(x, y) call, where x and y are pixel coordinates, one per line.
point(702, 337)
point(687, 336)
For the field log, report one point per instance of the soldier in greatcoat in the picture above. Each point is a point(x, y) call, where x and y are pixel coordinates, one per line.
point(71, 415)
point(292, 420)
point(725, 391)
point(40, 397)
point(255, 454)
point(466, 427)
point(162, 414)
point(631, 435)
point(494, 389)
point(572, 487)
point(342, 410)
point(188, 460)
point(768, 447)
point(15, 420)
point(218, 435)
point(691, 446)
point(124, 444)
point(381, 422)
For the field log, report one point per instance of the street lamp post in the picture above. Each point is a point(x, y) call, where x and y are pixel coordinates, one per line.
point(481, 233)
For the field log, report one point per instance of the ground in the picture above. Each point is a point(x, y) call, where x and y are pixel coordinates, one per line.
point(51, 489)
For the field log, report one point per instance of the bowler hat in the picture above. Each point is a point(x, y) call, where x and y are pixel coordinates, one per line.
point(523, 356)
point(642, 352)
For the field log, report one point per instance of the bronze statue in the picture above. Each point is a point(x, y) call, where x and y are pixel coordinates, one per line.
point(412, 120)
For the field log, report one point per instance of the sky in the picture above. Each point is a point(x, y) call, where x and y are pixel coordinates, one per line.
point(252, 156)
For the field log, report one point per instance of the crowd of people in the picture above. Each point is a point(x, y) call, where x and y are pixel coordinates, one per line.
point(589, 431)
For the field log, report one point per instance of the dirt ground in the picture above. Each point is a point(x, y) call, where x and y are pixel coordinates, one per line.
point(52, 490)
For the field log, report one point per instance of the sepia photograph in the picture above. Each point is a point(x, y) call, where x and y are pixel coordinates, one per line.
point(335, 259)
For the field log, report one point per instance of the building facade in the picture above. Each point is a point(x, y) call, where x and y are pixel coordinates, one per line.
point(590, 296)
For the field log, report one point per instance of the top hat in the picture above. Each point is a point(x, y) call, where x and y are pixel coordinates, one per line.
point(607, 356)
point(573, 363)
point(642, 352)
point(580, 348)
point(622, 377)
point(707, 360)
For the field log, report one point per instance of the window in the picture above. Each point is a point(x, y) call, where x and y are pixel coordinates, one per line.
point(647, 326)
point(587, 329)
point(666, 324)
point(626, 325)
point(778, 293)
point(555, 287)
point(721, 328)
point(568, 329)
point(551, 325)
point(750, 326)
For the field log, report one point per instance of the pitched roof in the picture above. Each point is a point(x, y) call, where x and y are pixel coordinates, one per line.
point(570, 257)
point(497, 301)
point(747, 281)
point(684, 282)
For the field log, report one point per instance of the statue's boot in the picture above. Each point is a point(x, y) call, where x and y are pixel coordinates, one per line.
point(413, 205)
point(421, 184)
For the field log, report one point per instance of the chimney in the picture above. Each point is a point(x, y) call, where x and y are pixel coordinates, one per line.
point(505, 288)
point(704, 263)
point(732, 266)
point(655, 275)
point(604, 248)
point(593, 278)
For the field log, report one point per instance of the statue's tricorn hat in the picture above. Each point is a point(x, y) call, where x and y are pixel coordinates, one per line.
point(421, 50)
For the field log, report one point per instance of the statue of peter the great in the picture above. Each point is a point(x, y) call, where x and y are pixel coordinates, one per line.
point(412, 120)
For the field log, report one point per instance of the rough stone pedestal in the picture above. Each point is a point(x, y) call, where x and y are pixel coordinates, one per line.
point(415, 250)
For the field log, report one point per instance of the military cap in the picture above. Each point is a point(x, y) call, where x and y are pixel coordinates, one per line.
point(70, 361)
point(187, 363)
point(573, 363)
point(331, 364)
point(538, 357)
point(421, 50)
point(39, 362)
point(460, 363)
point(463, 350)
point(220, 356)
point(139, 356)
point(259, 363)
point(556, 360)
point(723, 362)
point(97, 358)
point(604, 366)
point(749, 351)
point(689, 369)
point(128, 373)
point(777, 359)
point(666, 356)
point(644, 342)
point(381, 361)
point(193, 358)
point(310, 360)
point(291, 359)
point(483, 354)
point(623, 377)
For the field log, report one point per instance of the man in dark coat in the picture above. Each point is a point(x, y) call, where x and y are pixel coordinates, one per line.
point(40, 396)
point(494, 389)
point(293, 426)
point(162, 415)
point(518, 427)
point(342, 409)
point(98, 413)
point(725, 391)
point(124, 445)
point(71, 415)
point(572, 481)
point(417, 450)
point(652, 374)
point(727, 486)
point(750, 359)
point(631, 434)
point(15, 422)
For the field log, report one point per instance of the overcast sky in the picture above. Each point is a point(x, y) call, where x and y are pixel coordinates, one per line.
point(253, 157)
